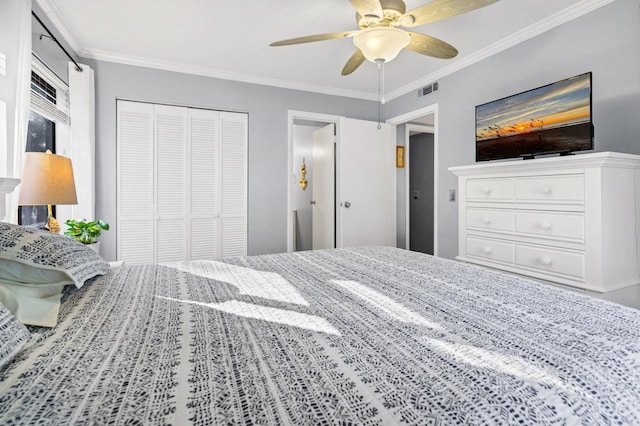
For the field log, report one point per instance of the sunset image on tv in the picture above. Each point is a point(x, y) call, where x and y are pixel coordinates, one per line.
point(552, 118)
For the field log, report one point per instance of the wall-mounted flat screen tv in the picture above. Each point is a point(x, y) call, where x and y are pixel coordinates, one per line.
point(555, 118)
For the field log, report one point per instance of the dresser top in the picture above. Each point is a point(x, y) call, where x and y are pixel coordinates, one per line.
point(579, 161)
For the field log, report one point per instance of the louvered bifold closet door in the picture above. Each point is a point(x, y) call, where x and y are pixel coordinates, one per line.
point(135, 221)
point(233, 185)
point(171, 183)
point(182, 183)
point(204, 135)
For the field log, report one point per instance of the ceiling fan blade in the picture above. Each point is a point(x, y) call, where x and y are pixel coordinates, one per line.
point(431, 46)
point(353, 63)
point(441, 9)
point(368, 7)
point(312, 38)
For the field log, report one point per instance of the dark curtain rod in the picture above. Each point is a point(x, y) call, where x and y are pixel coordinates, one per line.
point(78, 68)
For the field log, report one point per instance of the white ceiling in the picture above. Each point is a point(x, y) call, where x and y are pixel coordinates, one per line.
point(230, 39)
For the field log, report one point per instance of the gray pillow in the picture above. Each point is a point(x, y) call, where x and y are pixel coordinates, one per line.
point(35, 265)
point(13, 336)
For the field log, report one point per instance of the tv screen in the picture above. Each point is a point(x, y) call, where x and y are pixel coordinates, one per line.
point(555, 118)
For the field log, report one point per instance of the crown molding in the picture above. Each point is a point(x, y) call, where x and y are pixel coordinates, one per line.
point(64, 27)
point(525, 34)
point(223, 75)
point(76, 42)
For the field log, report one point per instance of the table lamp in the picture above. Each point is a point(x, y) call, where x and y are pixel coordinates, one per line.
point(47, 179)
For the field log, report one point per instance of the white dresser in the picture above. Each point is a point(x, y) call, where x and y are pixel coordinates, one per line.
point(571, 220)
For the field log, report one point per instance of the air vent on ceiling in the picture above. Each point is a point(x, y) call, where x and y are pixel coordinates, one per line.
point(429, 88)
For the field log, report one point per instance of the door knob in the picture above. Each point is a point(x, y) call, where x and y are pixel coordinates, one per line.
point(347, 204)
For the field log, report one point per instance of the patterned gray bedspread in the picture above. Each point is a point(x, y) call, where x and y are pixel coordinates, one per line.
point(362, 336)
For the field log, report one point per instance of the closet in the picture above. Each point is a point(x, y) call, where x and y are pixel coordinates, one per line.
point(181, 183)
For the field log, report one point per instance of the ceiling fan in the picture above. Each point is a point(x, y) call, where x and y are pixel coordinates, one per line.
point(380, 39)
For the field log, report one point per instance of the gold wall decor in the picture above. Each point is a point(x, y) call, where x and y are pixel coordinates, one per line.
point(303, 174)
point(400, 157)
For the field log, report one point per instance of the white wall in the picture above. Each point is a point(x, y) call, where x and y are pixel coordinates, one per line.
point(605, 42)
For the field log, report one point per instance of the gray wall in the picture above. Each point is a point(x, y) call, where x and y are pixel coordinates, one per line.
point(605, 41)
point(268, 116)
point(46, 49)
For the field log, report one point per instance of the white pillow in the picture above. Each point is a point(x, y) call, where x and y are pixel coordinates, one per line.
point(35, 265)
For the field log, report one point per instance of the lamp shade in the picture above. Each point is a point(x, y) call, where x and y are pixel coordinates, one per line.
point(381, 44)
point(47, 179)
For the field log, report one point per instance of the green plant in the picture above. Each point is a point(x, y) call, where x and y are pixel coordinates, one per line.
point(85, 231)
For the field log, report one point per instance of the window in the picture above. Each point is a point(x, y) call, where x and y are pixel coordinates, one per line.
point(49, 113)
point(41, 137)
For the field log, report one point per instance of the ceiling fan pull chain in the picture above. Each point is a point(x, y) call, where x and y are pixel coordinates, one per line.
point(379, 95)
point(382, 100)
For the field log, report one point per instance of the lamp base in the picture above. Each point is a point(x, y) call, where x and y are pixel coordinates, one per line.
point(52, 224)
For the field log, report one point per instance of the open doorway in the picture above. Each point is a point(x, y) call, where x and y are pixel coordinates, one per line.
point(424, 220)
point(312, 203)
point(420, 164)
point(313, 192)
point(363, 189)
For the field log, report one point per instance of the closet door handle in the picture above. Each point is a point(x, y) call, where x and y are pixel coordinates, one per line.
point(347, 204)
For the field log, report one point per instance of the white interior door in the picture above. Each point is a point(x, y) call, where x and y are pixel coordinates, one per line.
point(323, 168)
point(366, 211)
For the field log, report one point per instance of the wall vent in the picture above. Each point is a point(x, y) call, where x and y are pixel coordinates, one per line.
point(429, 88)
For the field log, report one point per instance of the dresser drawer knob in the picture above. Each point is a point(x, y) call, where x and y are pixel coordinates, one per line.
point(486, 220)
point(486, 190)
point(486, 250)
point(546, 261)
point(545, 225)
point(546, 189)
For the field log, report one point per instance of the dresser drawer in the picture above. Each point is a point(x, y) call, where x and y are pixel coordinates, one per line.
point(500, 251)
point(551, 260)
point(561, 188)
point(490, 220)
point(566, 226)
point(490, 189)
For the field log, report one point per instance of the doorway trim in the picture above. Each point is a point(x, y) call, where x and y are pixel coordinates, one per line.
point(405, 119)
point(294, 115)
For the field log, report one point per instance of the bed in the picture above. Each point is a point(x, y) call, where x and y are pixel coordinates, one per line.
point(357, 336)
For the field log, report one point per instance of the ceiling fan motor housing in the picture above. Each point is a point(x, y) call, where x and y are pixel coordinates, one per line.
point(392, 11)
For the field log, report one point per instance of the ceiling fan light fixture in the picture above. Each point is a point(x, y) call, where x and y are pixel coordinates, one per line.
point(381, 44)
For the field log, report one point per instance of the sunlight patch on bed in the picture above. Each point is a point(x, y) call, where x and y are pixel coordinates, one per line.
point(507, 364)
point(266, 285)
point(386, 304)
point(265, 313)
